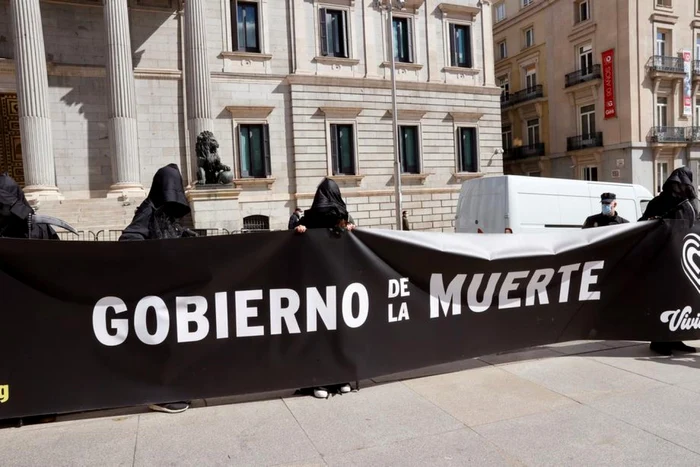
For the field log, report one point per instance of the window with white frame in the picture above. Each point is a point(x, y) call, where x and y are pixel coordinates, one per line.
point(500, 11)
point(342, 136)
point(697, 112)
point(525, 3)
point(662, 111)
point(460, 46)
point(403, 39)
point(697, 46)
point(661, 175)
point(585, 59)
point(468, 150)
point(665, 3)
point(246, 26)
point(254, 150)
point(529, 34)
point(504, 84)
point(582, 10)
point(533, 132)
point(502, 50)
point(334, 32)
point(661, 43)
point(506, 137)
point(587, 121)
point(531, 78)
point(409, 148)
point(589, 173)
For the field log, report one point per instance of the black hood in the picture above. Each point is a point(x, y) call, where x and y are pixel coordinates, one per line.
point(167, 192)
point(12, 200)
point(680, 184)
point(328, 207)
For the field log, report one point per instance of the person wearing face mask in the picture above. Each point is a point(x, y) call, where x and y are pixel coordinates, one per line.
point(608, 215)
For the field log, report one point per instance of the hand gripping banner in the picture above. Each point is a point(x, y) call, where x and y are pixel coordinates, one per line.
point(96, 325)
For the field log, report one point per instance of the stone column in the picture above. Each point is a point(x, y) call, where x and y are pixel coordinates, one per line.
point(121, 98)
point(197, 74)
point(32, 93)
point(487, 37)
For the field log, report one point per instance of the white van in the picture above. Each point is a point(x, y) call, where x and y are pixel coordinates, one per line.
point(530, 204)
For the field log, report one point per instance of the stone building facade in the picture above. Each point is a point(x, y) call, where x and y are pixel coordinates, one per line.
point(98, 94)
point(557, 120)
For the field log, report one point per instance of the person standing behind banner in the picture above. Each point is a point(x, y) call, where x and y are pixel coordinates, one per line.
point(677, 200)
point(328, 211)
point(404, 221)
point(294, 219)
point(158, 218)
point(608, 215)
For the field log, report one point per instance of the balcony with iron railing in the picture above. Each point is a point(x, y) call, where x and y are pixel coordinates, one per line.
point(693, 134)
point(531, 93)
point(662, 64)
point(523, 152)
point(668, 134)
point(576, 143)
point(582, 76)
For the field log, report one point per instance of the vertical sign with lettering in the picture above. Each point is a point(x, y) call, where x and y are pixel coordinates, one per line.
point(609, 84)
point(687, 99)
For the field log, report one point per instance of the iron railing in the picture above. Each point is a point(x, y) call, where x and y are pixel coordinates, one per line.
point(533, 92)
point(113, 235)
point(582, 76)
point(693, 134)
point(593, 140)
point(665, 64)
point(668, 134)
point(530, 150)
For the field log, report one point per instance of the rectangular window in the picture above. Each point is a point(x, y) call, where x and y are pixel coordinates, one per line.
point(527, 3)
point(334, 33)
point(246, 37)
point(461, 45)
point(531, 79)
point(504, 83)
point(697, 47)
point(588, 121)
point(529, 37)
point(403, 40)
point(254, 150)
point(500, 11)
point(697, 112)
point(661, 43)
point(343, 149)
point(533, 131)
point(662, 111)
point(661, 175)
point(468, 151)
point(583, 12)
point(590, 174)
point(502, 50)
point(664, 3)
point(409, 149)
point(585, 59)
point(506, 137)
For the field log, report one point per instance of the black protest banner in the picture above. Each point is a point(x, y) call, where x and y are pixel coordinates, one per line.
point(97, 325)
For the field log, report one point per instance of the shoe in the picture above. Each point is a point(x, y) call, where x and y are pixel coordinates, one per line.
point(321, 393)
point(661, 348)
point(345, 388)
point(681, 347)
point(174, 407)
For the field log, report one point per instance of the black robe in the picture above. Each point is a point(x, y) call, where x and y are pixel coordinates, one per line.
point(328, 208)
point(15, 211)
point(157, 216)
point(677, 200)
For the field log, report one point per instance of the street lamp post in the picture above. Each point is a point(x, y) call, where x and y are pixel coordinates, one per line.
point(394, 114)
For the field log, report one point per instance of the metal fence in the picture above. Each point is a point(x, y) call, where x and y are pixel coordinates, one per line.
point(113, 235)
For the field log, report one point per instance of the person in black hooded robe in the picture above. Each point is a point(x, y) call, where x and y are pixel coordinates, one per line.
point(328, 211)
point(158, 218)
point(677, 200)
point(15, 211)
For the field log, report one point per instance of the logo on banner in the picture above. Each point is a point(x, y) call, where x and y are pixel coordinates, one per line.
point(610, 110)
point(690, 256)
point(4, 393)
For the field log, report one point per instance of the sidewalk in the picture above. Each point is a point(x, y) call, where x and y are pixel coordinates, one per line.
point(579, 403)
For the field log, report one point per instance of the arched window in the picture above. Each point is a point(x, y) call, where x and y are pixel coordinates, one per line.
point(257, 222)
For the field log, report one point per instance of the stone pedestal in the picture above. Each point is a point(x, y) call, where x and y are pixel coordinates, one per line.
point(215, 207)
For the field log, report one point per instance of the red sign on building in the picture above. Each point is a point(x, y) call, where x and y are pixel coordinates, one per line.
point(609, 84)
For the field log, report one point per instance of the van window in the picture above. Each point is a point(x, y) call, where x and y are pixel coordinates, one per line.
point(643, 204)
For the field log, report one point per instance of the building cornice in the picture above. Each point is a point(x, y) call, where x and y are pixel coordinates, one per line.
point(317, 80)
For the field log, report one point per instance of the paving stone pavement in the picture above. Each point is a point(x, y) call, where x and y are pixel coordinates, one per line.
point(578, 403)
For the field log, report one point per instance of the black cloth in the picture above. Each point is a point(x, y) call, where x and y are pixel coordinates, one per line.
point(293, 221)
point(157, 217)
point(677, 200)
point(327, 209)
point(601, 220)
point(15, 211)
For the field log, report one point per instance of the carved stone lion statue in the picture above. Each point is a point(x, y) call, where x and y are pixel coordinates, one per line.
point(210, 170)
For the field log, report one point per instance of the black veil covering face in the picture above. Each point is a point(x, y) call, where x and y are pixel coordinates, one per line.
point(328, 208)
point(157, 217)
point(677, 200)
point(15, 212)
